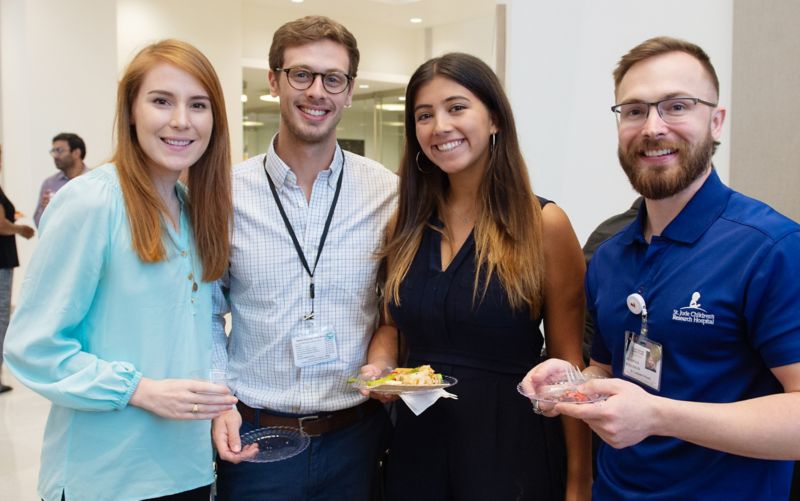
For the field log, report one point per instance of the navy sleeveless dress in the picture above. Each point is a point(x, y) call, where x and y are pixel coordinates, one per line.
point(488, 444)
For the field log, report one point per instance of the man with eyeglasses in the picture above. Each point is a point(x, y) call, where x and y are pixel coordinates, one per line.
point(301, 286)
point(696, 307)
point(68, 152)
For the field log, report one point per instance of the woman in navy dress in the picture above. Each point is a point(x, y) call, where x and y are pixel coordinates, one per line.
point(474, 263)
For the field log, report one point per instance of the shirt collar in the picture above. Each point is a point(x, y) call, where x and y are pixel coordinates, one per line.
point(699, 214)
point(282, 174)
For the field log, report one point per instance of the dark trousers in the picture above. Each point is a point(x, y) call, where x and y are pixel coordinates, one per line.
point(335, 466)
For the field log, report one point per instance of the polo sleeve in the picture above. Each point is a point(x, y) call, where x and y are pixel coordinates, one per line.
point(772, 303)
point(44, 347)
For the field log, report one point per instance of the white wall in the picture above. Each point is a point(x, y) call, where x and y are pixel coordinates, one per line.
point(560, 59)
point(473, 36)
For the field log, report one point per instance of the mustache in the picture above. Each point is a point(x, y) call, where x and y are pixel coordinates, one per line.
point(657, 144)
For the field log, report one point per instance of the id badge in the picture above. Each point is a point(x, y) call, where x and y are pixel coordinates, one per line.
point(643, 359)
point(313, 345)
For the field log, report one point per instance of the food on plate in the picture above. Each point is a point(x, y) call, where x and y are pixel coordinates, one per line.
point(574, 396)
point(423, 375)
point(564, 392)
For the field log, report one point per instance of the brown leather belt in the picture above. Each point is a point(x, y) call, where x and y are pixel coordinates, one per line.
point(314, 424)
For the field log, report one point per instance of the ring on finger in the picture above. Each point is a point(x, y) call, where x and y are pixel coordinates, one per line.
point(536, 409)
point(195, 409)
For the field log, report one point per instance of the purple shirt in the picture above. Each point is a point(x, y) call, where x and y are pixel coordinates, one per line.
point(52, 184)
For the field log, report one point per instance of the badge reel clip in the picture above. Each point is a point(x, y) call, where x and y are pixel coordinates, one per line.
point(638, 307)
point(642, 356)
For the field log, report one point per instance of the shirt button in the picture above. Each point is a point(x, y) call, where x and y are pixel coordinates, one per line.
point(184, 253)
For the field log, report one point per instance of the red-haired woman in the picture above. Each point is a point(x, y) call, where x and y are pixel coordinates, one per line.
point(115, 313)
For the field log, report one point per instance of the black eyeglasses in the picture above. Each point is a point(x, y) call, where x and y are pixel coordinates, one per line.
point(335, 82)
point(672, 110)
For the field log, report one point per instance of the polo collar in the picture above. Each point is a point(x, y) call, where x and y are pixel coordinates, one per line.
point(700, 213)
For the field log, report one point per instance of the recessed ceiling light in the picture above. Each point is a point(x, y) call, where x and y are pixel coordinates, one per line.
point(363, 86)
point(401, 98)
point(244, 98)
point(297, 1)
point(268, 98)
point(416, 20)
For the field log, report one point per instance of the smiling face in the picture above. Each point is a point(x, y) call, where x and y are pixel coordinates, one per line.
point(663, 159)
point(173, 120)
point(311, 115)
point(453, 126)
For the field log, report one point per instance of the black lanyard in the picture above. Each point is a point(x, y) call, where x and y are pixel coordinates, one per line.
point(296, 243)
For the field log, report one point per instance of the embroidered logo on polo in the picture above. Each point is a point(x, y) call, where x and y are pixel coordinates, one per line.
point(694, 313)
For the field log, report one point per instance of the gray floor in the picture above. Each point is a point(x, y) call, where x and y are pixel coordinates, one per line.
point(23, 414)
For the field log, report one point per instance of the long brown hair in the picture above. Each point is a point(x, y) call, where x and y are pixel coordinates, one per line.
point(508, 229)
point(209, 184)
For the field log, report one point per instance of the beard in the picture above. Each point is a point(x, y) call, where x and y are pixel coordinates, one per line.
point(64, 164)
point(308, 133)
point(657, 183)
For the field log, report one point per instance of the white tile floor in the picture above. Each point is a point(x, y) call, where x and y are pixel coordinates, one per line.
point(23, 414)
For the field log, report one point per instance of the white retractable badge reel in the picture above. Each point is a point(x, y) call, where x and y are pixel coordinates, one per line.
point(643, 356)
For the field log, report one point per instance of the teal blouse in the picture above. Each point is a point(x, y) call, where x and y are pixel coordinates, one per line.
point(92, 320)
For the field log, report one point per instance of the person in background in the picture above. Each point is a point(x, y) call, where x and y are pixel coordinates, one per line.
point(308, 220)
point(114, 331)
point(603, 232)
point(475, 262)
point(8, 261)
point(68, 152)
point(695, 306)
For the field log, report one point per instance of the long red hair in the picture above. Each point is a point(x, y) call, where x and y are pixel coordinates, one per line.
point(209, 182)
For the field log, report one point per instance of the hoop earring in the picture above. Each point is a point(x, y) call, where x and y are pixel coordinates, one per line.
point(420, 168)
point(491, 147)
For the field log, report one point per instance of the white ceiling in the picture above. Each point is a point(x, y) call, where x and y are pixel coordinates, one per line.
point(390, 12)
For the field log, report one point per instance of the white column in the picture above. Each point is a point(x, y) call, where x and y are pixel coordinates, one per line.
point(58, 65)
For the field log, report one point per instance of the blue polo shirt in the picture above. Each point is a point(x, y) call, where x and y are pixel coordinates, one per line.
point(723, 299)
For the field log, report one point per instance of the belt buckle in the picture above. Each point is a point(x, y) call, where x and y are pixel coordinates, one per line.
point(302, 420)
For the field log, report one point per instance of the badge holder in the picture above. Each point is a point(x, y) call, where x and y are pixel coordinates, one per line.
point(643, 356)
point(314, 344)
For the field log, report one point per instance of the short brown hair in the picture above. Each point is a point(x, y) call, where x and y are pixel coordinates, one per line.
point(312, 29)
point(658, 46)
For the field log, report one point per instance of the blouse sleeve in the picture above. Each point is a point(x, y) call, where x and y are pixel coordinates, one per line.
point(44, 346)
